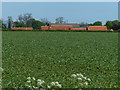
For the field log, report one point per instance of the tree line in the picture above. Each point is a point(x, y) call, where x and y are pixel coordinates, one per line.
point(26, 20)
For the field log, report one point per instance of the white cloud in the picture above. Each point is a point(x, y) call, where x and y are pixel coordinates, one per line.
point(60, 0)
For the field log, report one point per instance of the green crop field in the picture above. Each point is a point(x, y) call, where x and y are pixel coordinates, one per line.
point(55, 56)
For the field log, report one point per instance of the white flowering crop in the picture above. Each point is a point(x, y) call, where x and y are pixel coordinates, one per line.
point(55, 85)
point(29, 78)
point(73, 75)
point(38, 83)
point(80, 80)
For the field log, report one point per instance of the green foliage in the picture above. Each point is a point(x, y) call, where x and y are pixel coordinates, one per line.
point(90, 24)
point(18, 24)
point(77, 81)
point(26, 20)
point(2, 25)
point(97, 23)
point(54, 56)
point(115, 22)
point(83, 24)
point(59, 20)
point(37, 24)
point(116, 25)
point(109, 24)
point(9, 22)
point(30, 22)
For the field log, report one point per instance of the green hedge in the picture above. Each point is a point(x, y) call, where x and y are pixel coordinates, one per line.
point(59, 30)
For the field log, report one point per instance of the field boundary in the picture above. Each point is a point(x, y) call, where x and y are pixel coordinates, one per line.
point(63, 30)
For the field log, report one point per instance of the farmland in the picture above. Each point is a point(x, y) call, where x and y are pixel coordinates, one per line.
point(54, 56)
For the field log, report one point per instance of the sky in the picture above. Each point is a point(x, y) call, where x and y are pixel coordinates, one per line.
point(73, 12)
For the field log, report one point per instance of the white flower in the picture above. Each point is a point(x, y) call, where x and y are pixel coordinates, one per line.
point(78, 74)
point(28, 81)
point(56, 82)
point(29, 78)
point(48, 86)
point(59, 85)
point(40, 82)
point(80, 79)
point(29, 86)
point(88, 79)
point(33, 78)
point(81, 75)
point(35, 87)
point(86, 83)
point(52, 83)
point(84, 78)
point(73, 75)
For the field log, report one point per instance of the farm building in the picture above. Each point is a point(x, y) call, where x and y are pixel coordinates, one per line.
point(22, 28)
point(96, 28)
point(62, 26)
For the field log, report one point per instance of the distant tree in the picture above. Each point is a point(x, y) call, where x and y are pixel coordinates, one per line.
point(37, 24)
point(24, 18)
point(2, 24)
point(97, 23)
point(20, 19)
point(90, 24)
point(18, 24)
point(109, 24)
point(116, 25)
point(30, 22)
point(44, 20)
point(82, 24)
point(60, 20)
point(115, 22)
point(27, 16)
point(10, 21)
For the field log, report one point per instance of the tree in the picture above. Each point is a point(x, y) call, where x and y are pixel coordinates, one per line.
point(60, 20)
point(24, 18)
point(82, 24)
point(2, 24)
point(20, 19)
point(90, 24)
point(97, 23)
point(115, 22)
point(109, 24)
point(27, 16)
point(30, 22)
point(18, 24)
point(35, 23)
point(116, 25)
point(9, 21)
point(44, 20)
